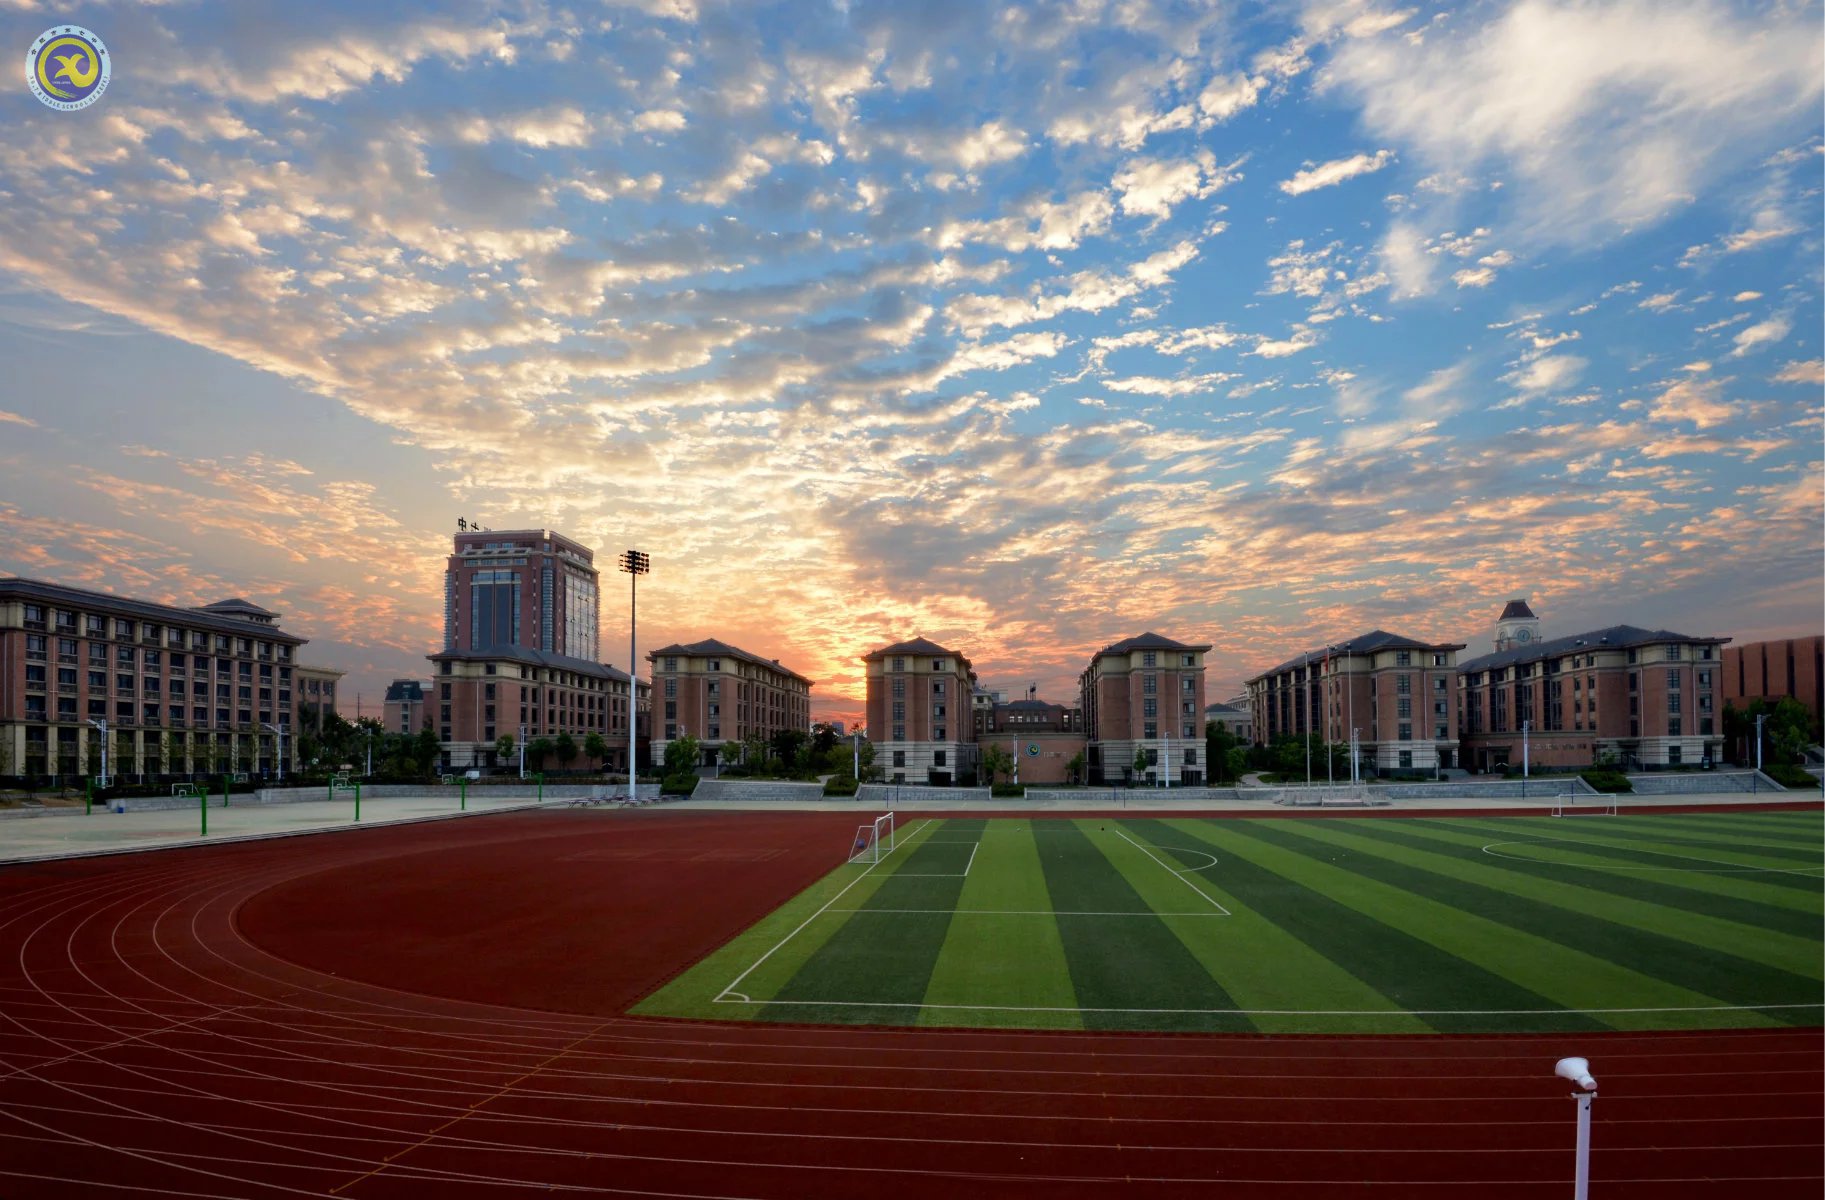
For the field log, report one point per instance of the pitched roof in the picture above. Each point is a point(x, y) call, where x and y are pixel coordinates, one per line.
point(405, 691)
point(536, 658)
point(210, 617)
point(1368, 643)
point(1517, 610)
point(1611, 637)
point(710, 646)
point(918, 645)
point(1218, 710)
point(1147, 641)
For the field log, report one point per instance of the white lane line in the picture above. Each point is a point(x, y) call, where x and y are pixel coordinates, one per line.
point(1724, 866)
point(1179, 875)
point(1027, 912)
point(972, 861)
point(727, 988)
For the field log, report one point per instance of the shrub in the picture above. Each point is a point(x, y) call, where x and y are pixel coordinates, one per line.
point(1016, 790)
point(678, 785)
point(1788, 775)
point(839, 785)
point(1608, 781)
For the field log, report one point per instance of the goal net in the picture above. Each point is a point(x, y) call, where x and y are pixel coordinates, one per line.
point(874, 841)
point(1568, 804)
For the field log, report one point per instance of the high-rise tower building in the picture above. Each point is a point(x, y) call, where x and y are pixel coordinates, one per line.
point(529, 589)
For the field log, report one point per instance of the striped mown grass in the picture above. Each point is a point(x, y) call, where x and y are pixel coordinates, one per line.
point(1392, 925)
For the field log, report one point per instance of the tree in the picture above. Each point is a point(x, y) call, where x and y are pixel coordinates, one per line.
point(1218, 742)
point(503, 746)
point(681, 756)
point(786, 744)
point(171, 753)
point(1789, 730)
point(1074, 770)
point(731, 754)
point(566, 750)
point(426, 748)
point(1140, 765)
point(595, 748)
point(823, 739)
point(866, 754)
point(996, 762)
point(6, 753)
point(537, 751)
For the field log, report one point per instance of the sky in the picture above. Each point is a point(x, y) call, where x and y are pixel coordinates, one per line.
point(1021, 327)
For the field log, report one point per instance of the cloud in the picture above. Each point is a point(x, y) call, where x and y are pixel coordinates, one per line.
point(1404, 257)
point(1762, 333)
point(1811, 372)
point(1695, 401)
point(13, 418)
point(1335, 172)
point(1606, 116)
point(1547, 373)
point(1154, 187)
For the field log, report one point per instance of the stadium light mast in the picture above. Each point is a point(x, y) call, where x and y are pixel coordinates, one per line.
point(1526, 728)
point(635, 563)
point(1305, 702)
point(1330, 768)
point(1755, 780)
point(1578, 1070)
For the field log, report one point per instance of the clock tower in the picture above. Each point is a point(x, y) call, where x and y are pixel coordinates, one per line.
point(1517, 628)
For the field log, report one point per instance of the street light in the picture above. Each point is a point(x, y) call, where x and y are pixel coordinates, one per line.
point(1330, 770)
point(103, 726)
point(522, 752)
point(1526, 727)
point(1755, 780)
point(636, 563)
point(1578, 1070)
point(281, 754)
point(1305, 717)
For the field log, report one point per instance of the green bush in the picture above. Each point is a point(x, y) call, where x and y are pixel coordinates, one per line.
point(1788, 775)
point(1608, 781)
point(1016, 790)
point(839, 785)
point(678, 785)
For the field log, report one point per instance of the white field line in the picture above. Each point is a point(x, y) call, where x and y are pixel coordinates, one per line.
point(1279, 1012)
point(972, 861)
point(1027, 912)
point(1179, 875)
point(814, 916)
point(1724, 866)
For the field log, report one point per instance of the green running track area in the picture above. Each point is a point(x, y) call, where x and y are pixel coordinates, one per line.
point(1383, 925)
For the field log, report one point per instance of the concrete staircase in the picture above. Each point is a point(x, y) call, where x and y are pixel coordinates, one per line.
point(889, 794)
point(756, 790)
point(1698, 783)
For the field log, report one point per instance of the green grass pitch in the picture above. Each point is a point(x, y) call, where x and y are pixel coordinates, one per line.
point(1390, 925)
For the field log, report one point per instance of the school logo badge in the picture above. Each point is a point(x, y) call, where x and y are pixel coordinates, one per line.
point(67, 68)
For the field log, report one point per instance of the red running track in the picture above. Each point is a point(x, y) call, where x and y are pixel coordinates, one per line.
point(431, 1011)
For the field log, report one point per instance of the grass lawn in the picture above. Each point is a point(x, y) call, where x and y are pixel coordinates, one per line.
point(1390, 925)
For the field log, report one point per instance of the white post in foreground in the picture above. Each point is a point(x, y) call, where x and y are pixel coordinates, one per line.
point(1526, 727)
point(1578, 1070)
point(279, 754)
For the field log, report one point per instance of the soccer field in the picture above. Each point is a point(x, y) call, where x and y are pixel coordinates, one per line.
point(1385, 925)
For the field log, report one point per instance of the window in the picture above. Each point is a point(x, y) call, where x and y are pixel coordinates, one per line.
point(1634, 681)
point(1150, 707)
point(1185, 730)
point(1403, 707)
point(899, 758)
point(1188, 660)
point(1673, 756)
point(1673, 678)
point(938, 758)
point(1151, 730)
point(97, 679)
point(1403, 684)
point(716, 664)
point(1403, 658)
point(671, 664)
point(1674, 653)
point(938, 734)
point(1148, 658)
point(1674, 726)
point(34, 616)
point(899, 733)
point(1438, 660)
point(940, 665)
point(1406, 733)
point(1704, 679)
point(1188, 686)
point(671, 688)
point(1673, 702)
point(899, 664)
point(937, 687)
point(1150, 684)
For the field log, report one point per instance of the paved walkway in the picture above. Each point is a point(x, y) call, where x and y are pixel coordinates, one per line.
point(65, 834)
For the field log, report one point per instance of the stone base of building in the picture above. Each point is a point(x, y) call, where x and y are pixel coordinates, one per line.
point(940, 764)
point(1112, 762)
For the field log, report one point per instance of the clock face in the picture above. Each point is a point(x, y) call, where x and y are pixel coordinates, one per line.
point(1524, 635)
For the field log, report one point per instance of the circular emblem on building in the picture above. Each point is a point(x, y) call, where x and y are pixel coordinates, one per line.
point(1032, 749)
point(67, 67)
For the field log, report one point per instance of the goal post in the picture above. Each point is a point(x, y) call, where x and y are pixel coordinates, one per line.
point(1566, 804)
point(873, 841)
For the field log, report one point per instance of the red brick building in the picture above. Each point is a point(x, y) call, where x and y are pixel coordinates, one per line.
point(919, 712)
point(1774, 671)
point(719, 693)
point(530, 694)
point(522, 589)
point(181, 691)
point(1145, 694)
point(404, 710)
point(1398, 693)
point(1646, 698)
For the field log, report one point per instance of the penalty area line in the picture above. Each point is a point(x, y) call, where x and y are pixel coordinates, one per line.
point(1180, 875)
point(729, 988)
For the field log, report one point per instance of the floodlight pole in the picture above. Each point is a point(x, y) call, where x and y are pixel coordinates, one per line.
point(522, 752)
point(1305, 703)
point(1581, 1183)
point(856, 747)
point(636, 563)
point(1330, 769)
point(1349, 705)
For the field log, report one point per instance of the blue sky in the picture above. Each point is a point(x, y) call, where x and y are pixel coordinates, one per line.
point(1020, 327)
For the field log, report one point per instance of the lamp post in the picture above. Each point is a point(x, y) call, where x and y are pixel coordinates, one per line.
point(1578, 1070)
point(1305, 717)
point(635, 563)
point(855, 737)
point(1526, 728)
point(1330, 770)
point(1755, 780)
point(280, 757)
point(102, 725)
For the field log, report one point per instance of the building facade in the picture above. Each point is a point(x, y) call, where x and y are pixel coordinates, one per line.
point(718, 693)
point(523, 589)
point(1235, 716)
point(920, 718)
point(179, 691)
point(1644, 699)
point(1144, 696)
point(404, 711)
point(1397, 694)
point(317, 695)
point(528, 695)
point(1775, 671)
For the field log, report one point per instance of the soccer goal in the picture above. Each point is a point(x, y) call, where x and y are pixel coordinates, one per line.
point(1566, 804)
point(184, 789)
point(874, 841)
point(446, 780)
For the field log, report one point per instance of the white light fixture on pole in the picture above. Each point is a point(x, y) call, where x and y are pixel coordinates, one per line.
point(103, 726)
point(1330, 770)
point(280, 756)
point(1578, 1070)
point(522, 752)
point(855, 736)
point(636, 564)
point(1349, 717)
